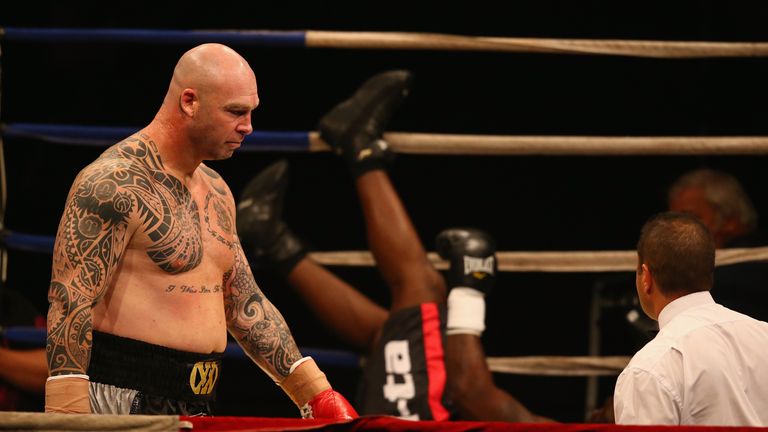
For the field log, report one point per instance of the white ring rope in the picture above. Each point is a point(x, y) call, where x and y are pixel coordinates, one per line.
point(550, 261)
point(434, 41)
point(421, 143)
point(559, 365)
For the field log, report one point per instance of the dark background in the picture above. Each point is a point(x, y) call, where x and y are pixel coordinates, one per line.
point(528, 203)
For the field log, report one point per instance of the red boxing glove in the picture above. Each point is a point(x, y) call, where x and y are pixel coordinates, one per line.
point(328, 404)
point(312, 393)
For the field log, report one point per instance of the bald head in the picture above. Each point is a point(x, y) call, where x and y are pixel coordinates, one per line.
point(208, 67)
point(207, 110)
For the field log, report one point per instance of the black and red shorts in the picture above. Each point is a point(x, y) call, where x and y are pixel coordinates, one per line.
point(405, 374)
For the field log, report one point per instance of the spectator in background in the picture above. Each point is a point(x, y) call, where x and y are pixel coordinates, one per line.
point(719, 201)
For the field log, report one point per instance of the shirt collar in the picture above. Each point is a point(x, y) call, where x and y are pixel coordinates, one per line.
point(681, 304)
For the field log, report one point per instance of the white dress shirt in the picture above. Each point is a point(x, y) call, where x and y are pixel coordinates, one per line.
point(708, 365)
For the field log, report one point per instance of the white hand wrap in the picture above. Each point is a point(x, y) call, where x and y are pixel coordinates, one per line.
point(304, 381)
point(466, 311)
point(68, 394)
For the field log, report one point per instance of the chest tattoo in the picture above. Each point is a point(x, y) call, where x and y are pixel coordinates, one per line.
point(168, 213)
point(216, 209)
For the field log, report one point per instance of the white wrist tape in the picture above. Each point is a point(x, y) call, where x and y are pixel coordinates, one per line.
point(466, 311)
point(297, 363)
point(81, 376)
point(304, 382)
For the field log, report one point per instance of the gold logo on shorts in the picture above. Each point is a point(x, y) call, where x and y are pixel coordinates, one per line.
point(203, 377)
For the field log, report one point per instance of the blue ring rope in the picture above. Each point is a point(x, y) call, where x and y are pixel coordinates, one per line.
point(27, 242)
point(295, 39)
point(37, 336)
point(103, 136)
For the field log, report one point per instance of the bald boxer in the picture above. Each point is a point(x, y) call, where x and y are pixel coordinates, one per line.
point(148, 273)
point(411, 371)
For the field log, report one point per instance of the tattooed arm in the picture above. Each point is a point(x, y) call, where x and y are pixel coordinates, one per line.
point(252, 319)
point(255, 323)
point(89, 244)
point(261, 331)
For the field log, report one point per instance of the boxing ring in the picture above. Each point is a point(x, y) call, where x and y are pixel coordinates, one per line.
point(409, 143)
point(84, 422)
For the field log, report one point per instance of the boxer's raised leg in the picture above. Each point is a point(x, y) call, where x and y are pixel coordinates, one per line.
point(397, 248)
point(404, 375)
point(354, 128)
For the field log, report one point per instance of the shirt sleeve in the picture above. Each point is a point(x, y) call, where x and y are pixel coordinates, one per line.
point(642, 398)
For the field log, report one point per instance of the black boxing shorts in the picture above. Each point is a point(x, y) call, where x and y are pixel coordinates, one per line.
point(405, 374)
point(134, 377)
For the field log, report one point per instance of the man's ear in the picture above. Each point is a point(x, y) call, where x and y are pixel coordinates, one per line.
point(189, 102)
point(647, 283)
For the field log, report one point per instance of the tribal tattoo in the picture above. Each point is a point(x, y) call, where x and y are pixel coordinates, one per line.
point(128, 180)
point(69, 330)
point(222, 213)
point(218, 186)
point(255, 322)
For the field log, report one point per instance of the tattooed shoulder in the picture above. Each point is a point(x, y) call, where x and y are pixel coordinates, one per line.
point(217, 183)
point(209, 172)
point(99, 190)
point(163, 205)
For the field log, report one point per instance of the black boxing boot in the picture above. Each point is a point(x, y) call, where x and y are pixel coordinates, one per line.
point(471, 276)
point(266, 239)
point(354, 127)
